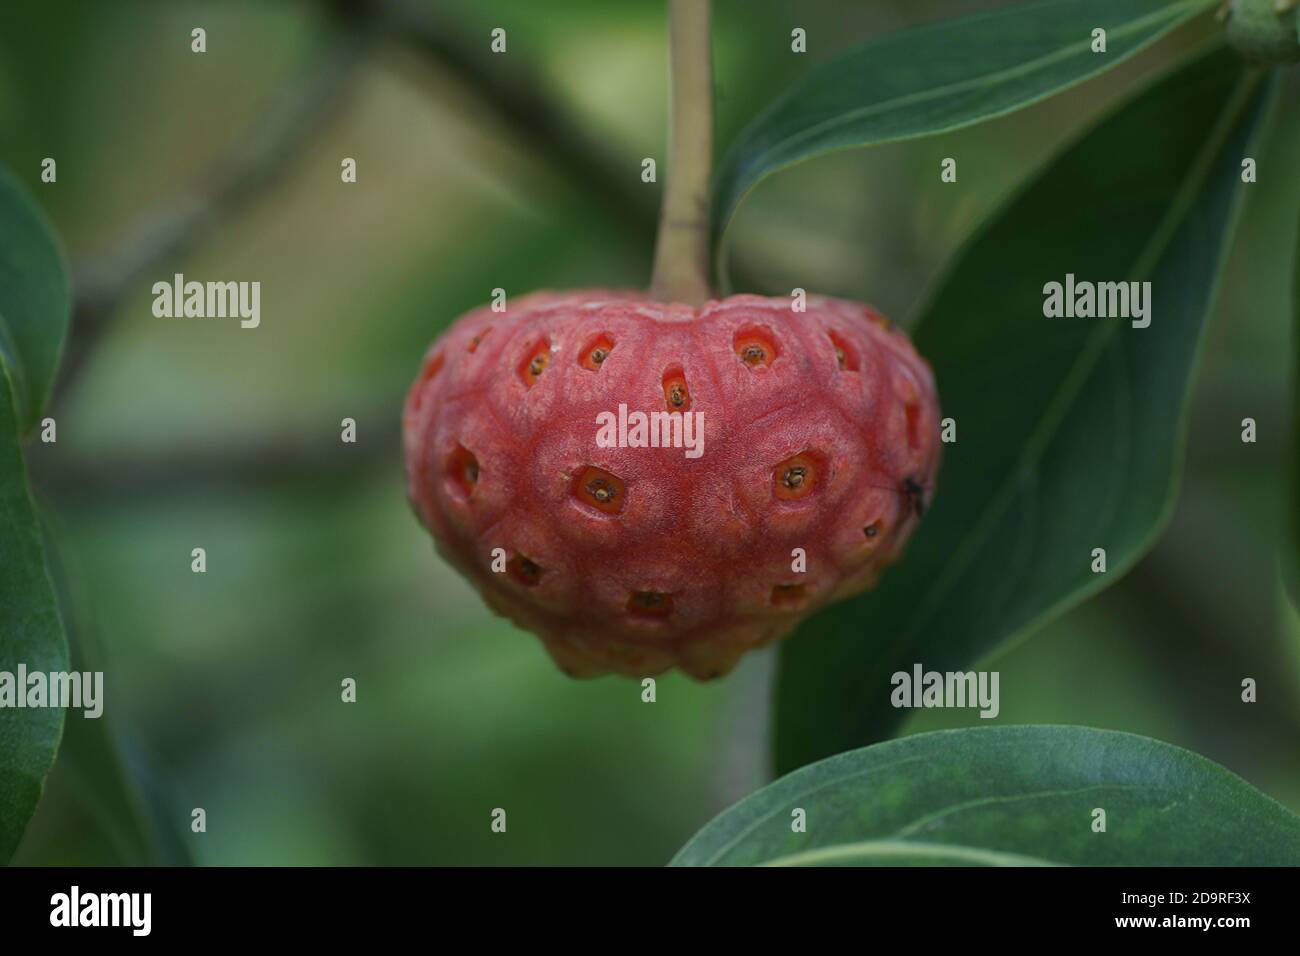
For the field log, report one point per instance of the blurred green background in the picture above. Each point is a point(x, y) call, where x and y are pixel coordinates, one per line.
point(520, 171)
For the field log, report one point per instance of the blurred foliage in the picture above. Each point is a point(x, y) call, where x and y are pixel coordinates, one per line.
point(227, 684)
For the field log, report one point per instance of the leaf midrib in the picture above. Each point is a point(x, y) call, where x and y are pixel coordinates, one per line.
point(891, 849)
point(1003, 798)
point(1171, 13)
point(801, 796)
point(898, 836)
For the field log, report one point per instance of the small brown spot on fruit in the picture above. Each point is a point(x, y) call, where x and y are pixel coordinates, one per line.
point(795, 477)
point(913, 414)
point(601, 490)
point(916, 494)
point(595, 352)
point(432, 367)
point(477, 340)
point(788, 595)
point(462, 470)
point(677, 394)
point(652, 604)
point(524, 570)
point(755, 347)
point(845, 355)
point(538, 358)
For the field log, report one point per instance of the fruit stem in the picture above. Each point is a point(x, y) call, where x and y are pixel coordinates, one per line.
point(681, 269)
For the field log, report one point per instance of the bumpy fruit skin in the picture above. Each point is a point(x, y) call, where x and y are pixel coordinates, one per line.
point(821, 432)
point(1265, 31)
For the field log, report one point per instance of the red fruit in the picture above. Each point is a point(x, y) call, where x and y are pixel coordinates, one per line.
point(820, 433)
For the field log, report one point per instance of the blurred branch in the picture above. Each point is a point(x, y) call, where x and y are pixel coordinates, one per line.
point(520, 102)
point(186, 470)
point(179, 223)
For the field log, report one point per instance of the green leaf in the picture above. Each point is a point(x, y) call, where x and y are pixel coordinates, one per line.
point(940, 77)
point(995, 796)
point(30, 634)
point(34, 303)
point(1069, 431)
point(33, 317)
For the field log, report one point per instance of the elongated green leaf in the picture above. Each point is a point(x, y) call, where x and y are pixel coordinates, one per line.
point(33, 317)
point(940, 77)
point(30, 635)
point(997, 796)
point(33, 302)
point(1069, 431)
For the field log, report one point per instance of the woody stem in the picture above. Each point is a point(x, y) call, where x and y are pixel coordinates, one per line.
point(681, 268)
